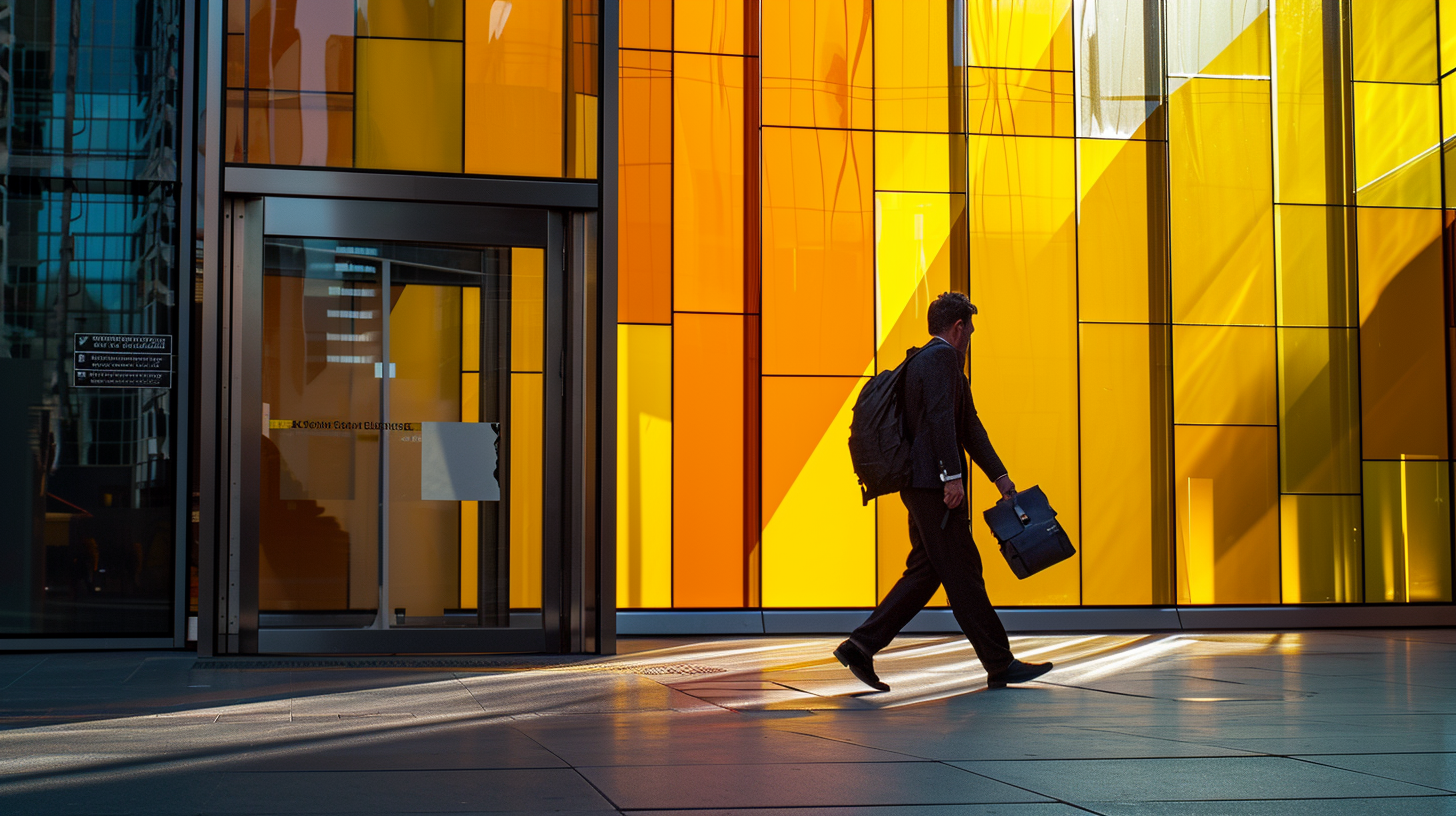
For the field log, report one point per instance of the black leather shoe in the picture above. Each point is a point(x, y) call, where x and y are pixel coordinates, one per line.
point(862, 665)
point(1018, 672)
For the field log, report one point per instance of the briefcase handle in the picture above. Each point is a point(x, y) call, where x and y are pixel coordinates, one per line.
point(1016, 507)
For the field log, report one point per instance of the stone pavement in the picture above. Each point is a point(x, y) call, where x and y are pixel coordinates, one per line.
point(1353, 722)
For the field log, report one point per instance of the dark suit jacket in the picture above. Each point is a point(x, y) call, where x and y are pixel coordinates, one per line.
point(941, 419)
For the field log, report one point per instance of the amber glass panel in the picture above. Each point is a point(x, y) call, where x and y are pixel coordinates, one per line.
point(644, 466)
point(1319, 411)
point(646, 24)
point(1222, 204)
point(233, 137)
point(818, 252)
point(912, 266)
point(515, 79)
point(1114, 248)
point(237, 60)
point(709, 558)
point(1023, 278)
point(529, 487)
point(1407, 531)
point(1397, 133)
point(1120, 73)
point(1011, 102)
point(1316, 287)
point(709, 26)
point(1319, 545)
point(585, 89)
point(1394, 42)
point(1227, 499)
point(301, 46)
point(708, 183)
point(1124, 558)
point(1402, 334)
point(816, 64)
point(1224, 375)
point(915, 162)
point(408, 106)
point(818, 541)
point(912, 66)
point(286, 127)
point(415, 20)
point(528, 308)
point(644, 188)
point(1020, 33)
point(237, 16)
point(1222, 39)
point(1299, 69)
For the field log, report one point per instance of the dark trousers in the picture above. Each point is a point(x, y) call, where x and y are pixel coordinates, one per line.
point(939, 556)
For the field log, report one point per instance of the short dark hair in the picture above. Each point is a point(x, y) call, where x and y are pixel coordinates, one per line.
point(947, 309)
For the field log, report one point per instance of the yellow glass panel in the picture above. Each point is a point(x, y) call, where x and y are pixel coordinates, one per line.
point(1319, 421)
point(1224, 375)
point(1119, 83)
point(818, 541)
point(708, 183)
point(1319, 549)
point(1448, 35)
point(1124, 554)
point(1402, 334)
point(644, 188)
point(1448, 108)
point(912, 66)
point(912, 267)
point(892, 525)
point(1397, 139)
point(1407, 532)
point(1011, 102)
point(1222, 205)
point(914, 162)
point(470, 330)
point(528, 308)
point(469, 555)
point(584, 140)
point(527, 487)
point(710, 564)
point(412, 19)
point(1023, 279)
point(1220, 39)
point(513, 68)
point(1299, 70)
point(408, 106)
point(1315, 284)
point(818, 252)
point(1226, 495)
point(286, 127)
point(816, 65)
point(586, 88)
point(709, 26)
point(469, 412)
point(1120, 264)
point(646, 24)
point(1394, 42)
point(301, 45)
point(644, 466)
point(1020, 34)
point(470, 396)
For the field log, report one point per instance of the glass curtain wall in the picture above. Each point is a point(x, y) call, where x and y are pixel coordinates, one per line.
point(1211, 247)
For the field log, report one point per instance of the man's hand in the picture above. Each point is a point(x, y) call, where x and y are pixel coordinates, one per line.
point(955, 493)
point(1007, 487)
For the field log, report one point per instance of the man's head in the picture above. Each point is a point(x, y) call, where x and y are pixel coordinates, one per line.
point(949, 317)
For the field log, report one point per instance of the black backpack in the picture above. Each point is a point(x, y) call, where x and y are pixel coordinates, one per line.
point(879, 446)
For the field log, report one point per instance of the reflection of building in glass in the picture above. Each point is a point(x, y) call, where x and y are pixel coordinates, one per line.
point(90, 247)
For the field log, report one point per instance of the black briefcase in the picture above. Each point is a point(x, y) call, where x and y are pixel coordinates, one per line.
point(1031, 537)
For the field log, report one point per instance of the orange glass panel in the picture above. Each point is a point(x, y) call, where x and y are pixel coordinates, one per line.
point(301, 46)
point(1227, 498)
point(1115, 246)
point(528, 308)
point(709, 26)
point(1011, 102)
point(1023, 279)
point(1020, 33)
point(286, 127)
point(646, 24)
point(709, 563)
point(915, 162)
point(233, 125)
point(644, 188)
point(912, 66)
point(237, 16)
point(708, 184)
point(408, 106)
point(412, 19)
point(818, 252)
point(1222, 202)
point(1402, 334)
point(585, 89)
point(514, 120)
point(818, 539)
point(816, 64)
point(527, 487)
point(237, 60)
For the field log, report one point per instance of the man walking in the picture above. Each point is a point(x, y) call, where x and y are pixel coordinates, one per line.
point(941, 420)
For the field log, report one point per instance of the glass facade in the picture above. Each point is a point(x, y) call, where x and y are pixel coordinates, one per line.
point(1211, 245)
